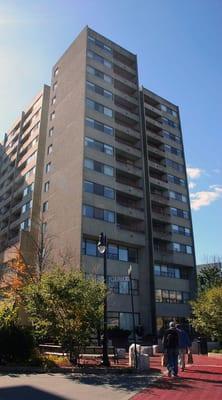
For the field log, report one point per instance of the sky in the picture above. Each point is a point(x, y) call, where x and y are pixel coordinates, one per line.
point(179, 49)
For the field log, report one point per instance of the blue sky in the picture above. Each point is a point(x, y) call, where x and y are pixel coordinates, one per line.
point(179, 50)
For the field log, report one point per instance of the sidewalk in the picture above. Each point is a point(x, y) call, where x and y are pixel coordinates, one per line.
point(200, 381)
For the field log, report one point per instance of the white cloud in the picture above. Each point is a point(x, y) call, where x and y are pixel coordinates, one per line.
point(205, 198)
point(192, 185)
point(194, 173)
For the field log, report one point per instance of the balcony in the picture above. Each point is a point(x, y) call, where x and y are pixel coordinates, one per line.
point(163, 255)
point(125, 187)
point(129, 168)
point(124, 118)
point(124, 73)
point(129, 211)
point(156, 151)
point(159, 182)
point(163, 216)
point(126, 105)
point(126, 88)
point(157, 166)
point(126, 133)
point(151, 122)
point(124, 59)
point(127, 151)
point(131, 101)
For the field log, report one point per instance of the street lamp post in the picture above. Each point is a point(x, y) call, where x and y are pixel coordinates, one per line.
point(133, 315)
point(102, 248)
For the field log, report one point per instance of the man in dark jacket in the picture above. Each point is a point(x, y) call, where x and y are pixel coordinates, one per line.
point(170, 346)
point(184, 345)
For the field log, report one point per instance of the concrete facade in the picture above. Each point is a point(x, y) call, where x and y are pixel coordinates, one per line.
point(112, 161)
point(21, 170)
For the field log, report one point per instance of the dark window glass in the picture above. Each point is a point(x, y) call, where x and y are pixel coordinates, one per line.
point(112, 252)
point(90, 249)
point(132, 255)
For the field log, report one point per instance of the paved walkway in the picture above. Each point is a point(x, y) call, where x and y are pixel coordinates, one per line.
point(72, 386)
point(200, 381)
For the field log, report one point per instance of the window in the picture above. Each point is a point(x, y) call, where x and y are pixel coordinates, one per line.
point(126, 320)
point(179, 213)
point(45, 206)
point(44, 227)
point(123, 254)
point(88, 186)
point(26, 207)
point(25, 225)
point(109, 192)
point(49, 150)
point(114, 252)
point(167, 109)
point(109, 216)
point(51, 131)
point(171, 296)
point(91, 123)
point(28, 189)
point(91, 248)
point(99, 59)
point(56, 71)
point(32, 157)
point(99, 146)
point(173, 150)
point(52, 115)
point(180, 230)
point(48, 167)
point(46, 186)
point(175, 180)
point(177, 196)
point(169, 122)
point(88, 211)
point(53, 100)
point(99, 90)
point(99, 107)
point(181, 248)
point(171, 136)
point(99, 74)
point(100, 44)
point(55, 86)
point(174, 165)
point(30, 173)
point(98, 167)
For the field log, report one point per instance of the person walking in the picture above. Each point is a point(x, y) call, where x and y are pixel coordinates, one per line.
point(184, 345)
point(170, 347)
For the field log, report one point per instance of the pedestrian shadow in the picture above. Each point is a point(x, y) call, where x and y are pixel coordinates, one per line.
point(191, 378)
point(163, 384)
point(198, 371)
point(125, 382)
point(25, 392)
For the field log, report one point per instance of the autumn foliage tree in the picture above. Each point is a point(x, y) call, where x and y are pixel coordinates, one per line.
point(207, 313)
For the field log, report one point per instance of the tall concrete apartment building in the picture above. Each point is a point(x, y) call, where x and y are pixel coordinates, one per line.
point(21, 171)
point(114, 163)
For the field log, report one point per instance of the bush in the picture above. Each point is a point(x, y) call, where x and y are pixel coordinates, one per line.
point(16, 343)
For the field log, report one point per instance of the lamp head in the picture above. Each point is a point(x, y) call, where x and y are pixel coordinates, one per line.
point(101, 245)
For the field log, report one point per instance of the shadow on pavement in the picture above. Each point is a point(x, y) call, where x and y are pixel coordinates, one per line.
point(26, 393)
point(128, 382)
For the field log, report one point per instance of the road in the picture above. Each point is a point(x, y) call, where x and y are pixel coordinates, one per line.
point(71, 386)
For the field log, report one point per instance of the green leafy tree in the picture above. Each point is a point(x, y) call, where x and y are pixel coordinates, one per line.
point(207, 313)
point(209, 277)
point(65, 306)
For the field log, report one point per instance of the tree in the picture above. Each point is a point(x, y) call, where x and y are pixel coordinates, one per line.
point(207, 313)
point(209, 277)
point(66, 307)
point(16, 275)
